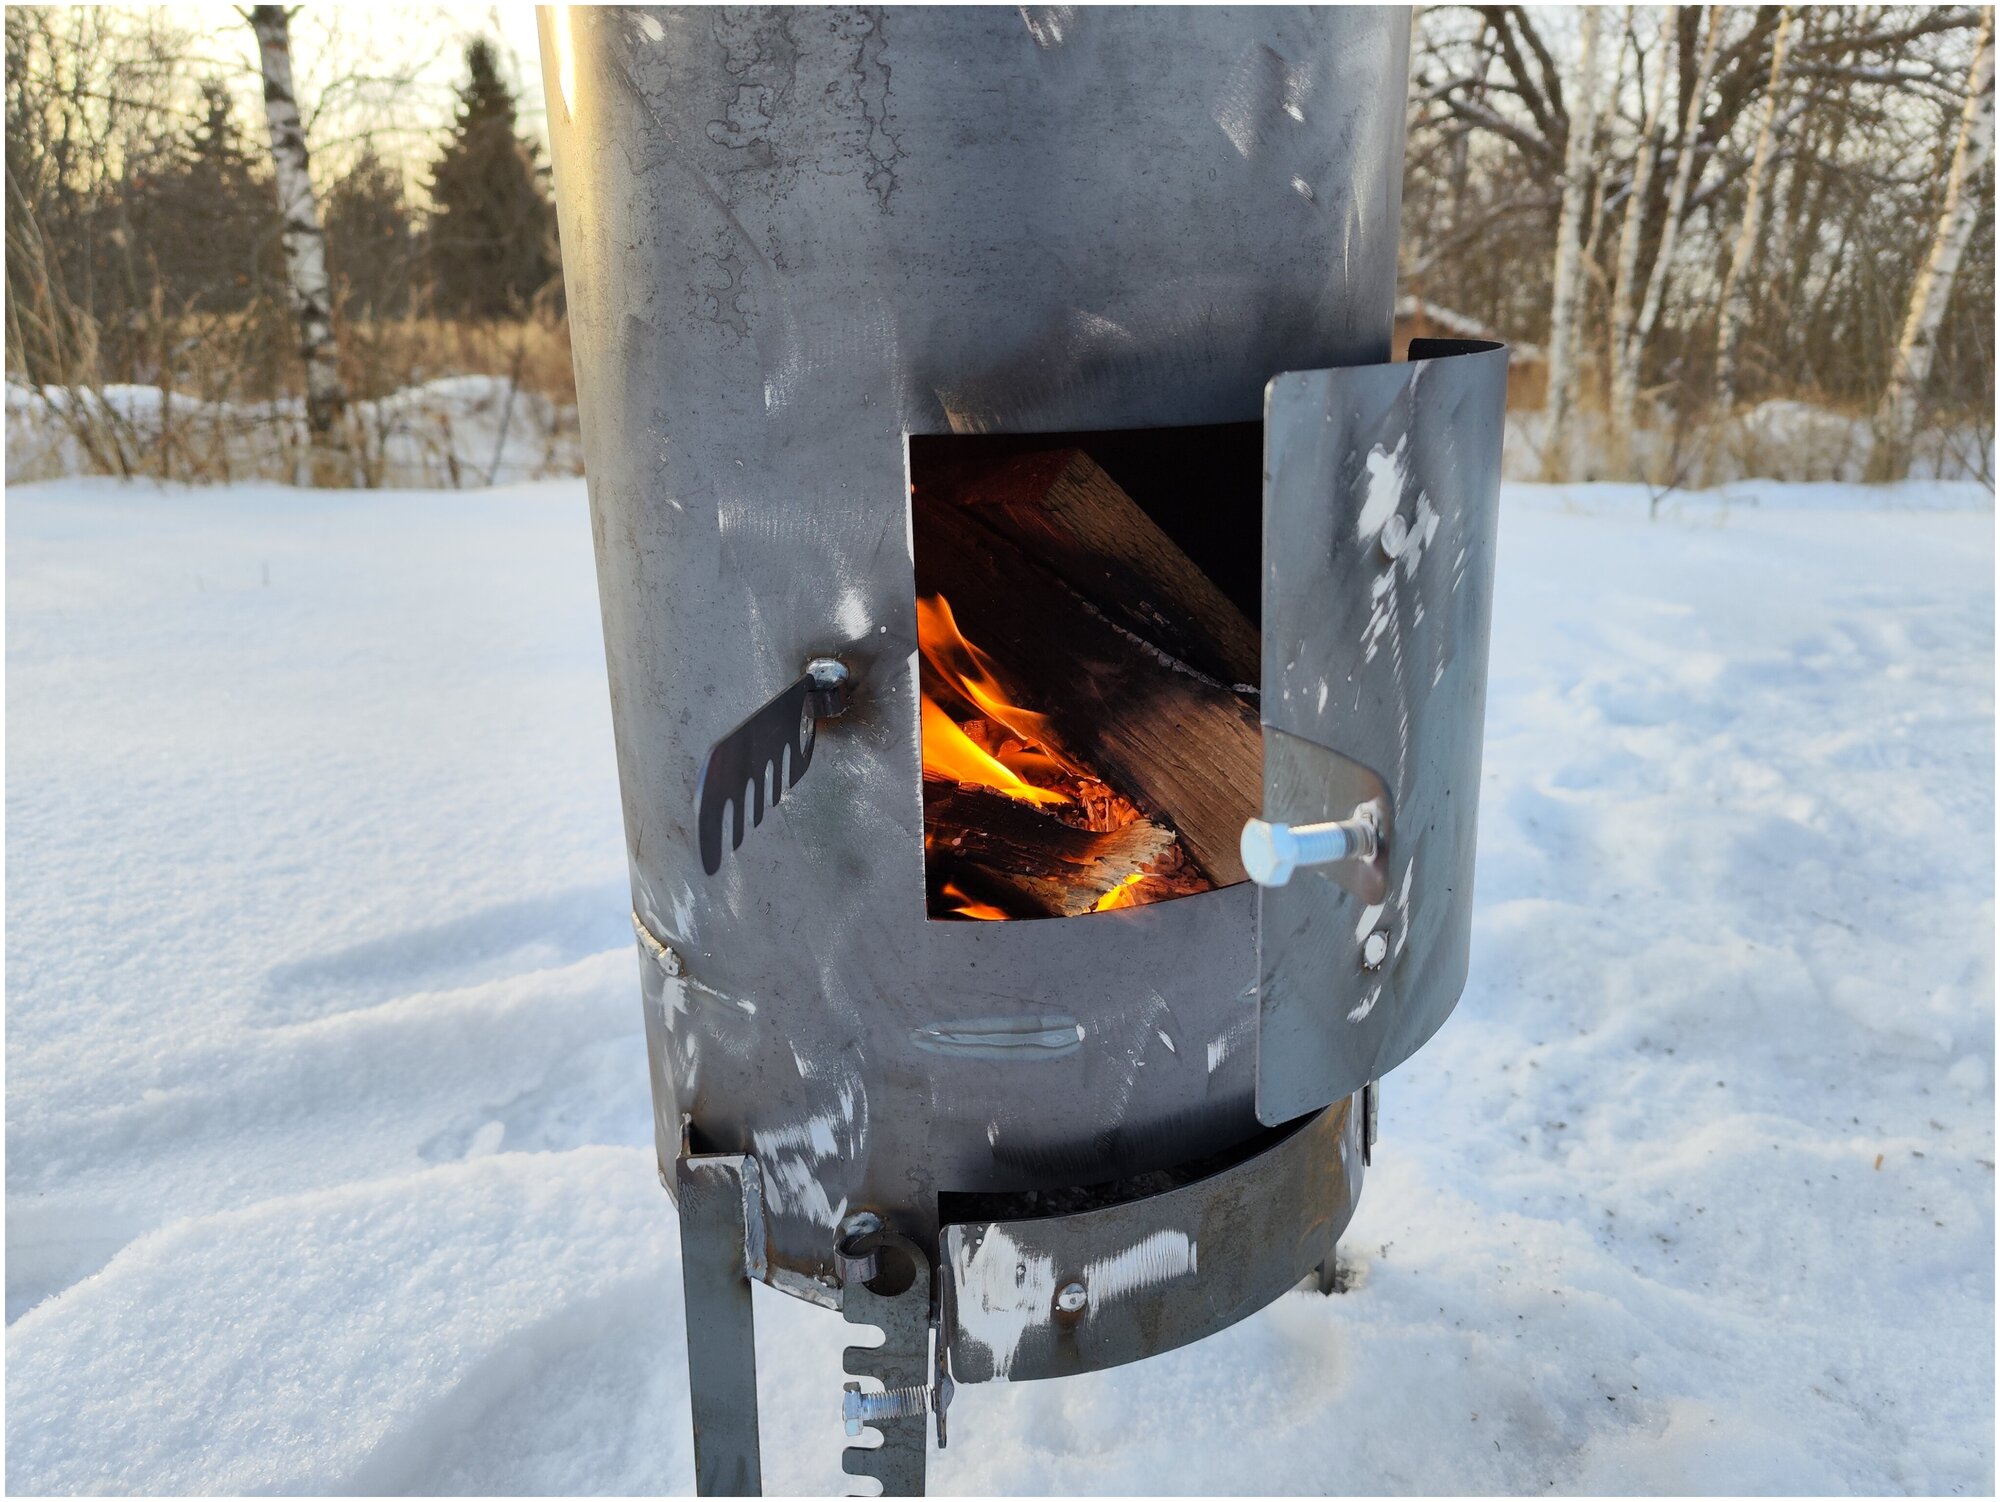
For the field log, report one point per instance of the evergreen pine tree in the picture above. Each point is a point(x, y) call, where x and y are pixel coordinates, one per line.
point(212, 219)
point(492, 225)
point(369, 243)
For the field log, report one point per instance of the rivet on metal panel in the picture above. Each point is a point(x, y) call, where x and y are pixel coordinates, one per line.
point(1072, 1298)
point(831, 687)
point(1375, 949)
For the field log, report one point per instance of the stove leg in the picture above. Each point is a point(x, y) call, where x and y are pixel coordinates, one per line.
point(720, 1203)
point(895, 1298)
point(1327, 1278)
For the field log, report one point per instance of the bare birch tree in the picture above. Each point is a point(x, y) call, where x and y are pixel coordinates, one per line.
point(1737, 282)
point(1625, 340)
point(308, 289)
point(1568, 289)
point(1677, 199)
point(1896, 416)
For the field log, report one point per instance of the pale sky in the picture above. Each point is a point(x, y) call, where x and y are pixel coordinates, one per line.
point(384, 70)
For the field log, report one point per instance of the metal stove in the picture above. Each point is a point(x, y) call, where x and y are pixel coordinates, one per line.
point(800, 244)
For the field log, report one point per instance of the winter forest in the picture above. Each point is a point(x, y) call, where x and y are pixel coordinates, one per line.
point(1724, 241)
point(348, 724)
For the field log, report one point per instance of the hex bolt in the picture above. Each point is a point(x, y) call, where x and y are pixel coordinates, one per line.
point(1375, 949)
point(1072, 1298)
point(1272, 851)
point(858, 1407)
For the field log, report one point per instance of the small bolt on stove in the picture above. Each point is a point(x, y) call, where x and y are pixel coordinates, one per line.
point(1047, 645)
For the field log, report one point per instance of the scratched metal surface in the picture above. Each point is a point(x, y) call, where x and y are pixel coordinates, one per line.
point(720, 1216)
point(1384, 661)
point(1157, 1272)
point(791, 237)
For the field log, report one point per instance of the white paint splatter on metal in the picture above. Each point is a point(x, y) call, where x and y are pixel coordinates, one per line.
point(1047, 23)
point(1360, 1013)
point(851, 614)
point(1006, 1291)
point(1385, 489)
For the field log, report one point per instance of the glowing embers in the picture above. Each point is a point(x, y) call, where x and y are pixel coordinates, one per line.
point(1013, 828)
point(1089, 739)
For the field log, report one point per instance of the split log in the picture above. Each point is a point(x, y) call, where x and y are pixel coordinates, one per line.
point(991, 844)
point(1184, 747)
point(1058, 506)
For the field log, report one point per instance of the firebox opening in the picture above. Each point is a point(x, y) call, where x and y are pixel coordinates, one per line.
point(1087, 613)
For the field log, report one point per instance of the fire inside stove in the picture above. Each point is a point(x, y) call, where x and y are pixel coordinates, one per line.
point(1089, 660)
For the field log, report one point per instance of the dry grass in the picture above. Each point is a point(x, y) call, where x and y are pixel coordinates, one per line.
point(234, 409)
point(381, 356)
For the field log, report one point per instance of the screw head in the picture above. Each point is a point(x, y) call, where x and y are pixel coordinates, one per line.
point(1072, 1298)
point(827, 672)
point(1375, 949)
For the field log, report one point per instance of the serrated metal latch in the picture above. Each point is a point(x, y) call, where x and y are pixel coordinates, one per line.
point(766, 754)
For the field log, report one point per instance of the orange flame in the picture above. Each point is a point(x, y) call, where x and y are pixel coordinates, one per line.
point(1121, 895)
point(948, 751)
point(970, 907)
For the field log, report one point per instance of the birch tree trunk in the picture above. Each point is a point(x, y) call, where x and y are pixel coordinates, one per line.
point(306, 281)
point(1737, 281)
point(1684, 179)
point(1896, 417)
point(1568, 288)
point(1625, 343)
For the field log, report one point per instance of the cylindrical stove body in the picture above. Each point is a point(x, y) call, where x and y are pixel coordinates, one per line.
point(791, 238)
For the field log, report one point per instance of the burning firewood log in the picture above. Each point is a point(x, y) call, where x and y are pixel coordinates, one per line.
point(1102, 694)
point(1061, 508)
point(995, 849)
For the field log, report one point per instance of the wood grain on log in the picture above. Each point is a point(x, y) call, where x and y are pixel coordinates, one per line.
point(1183, 746)
point(1062, 509)
point(984, 841)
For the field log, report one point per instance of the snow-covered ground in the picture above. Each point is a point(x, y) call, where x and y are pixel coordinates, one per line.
point(329, 1159)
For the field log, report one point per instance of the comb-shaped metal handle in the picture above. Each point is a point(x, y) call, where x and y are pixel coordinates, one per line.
point(763, 756)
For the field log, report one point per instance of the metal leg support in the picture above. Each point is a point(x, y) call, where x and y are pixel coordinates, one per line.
point(721, 1207)
point(1327, 1276)
point(888, 1285)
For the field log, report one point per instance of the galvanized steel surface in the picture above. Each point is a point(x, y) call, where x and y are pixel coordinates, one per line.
point(721, 1228)
point(1153, 1273)
point(790, 238)
point(1375, 644)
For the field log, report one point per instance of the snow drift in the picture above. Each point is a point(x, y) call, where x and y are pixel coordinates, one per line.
point(330, 1161)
